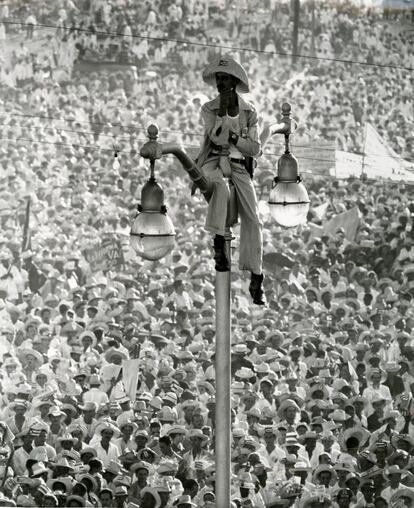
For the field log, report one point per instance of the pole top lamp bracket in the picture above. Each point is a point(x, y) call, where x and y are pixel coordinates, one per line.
point(288, 199)
point(152, 150)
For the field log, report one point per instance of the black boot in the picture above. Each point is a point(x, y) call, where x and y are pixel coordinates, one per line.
point(222, 263)
point(256, 290)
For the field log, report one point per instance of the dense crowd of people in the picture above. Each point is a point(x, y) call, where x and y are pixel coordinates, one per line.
point(335, 100)
point(107, 392)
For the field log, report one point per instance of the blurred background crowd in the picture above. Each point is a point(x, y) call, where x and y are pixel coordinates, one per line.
point(107, 370)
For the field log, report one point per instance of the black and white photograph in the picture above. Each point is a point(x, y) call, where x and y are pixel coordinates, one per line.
point(207, 253)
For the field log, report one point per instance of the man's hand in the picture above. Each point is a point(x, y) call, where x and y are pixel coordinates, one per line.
point(228, 99)
point(224, 102)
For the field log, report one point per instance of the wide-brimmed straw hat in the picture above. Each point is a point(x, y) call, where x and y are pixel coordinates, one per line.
point(140, 465)
point(67, 437)
point(228, 65)
point(392, 367)
point(197, 433)
point(401, 494)
point(357, 432)
point(371, 372)
point(286, 404)
point(19, 403)
point(185, 499)
point(394, 469)
point(325, 468)
point(24, 354)
point(106, 425)
point(300, 467)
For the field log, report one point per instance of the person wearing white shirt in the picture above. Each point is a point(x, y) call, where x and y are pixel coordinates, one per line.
point(375, 388)
point(338, 285)
point(313, 448)
point(21, 455)
point(30, 22)
point(95, 394)
point(272, 454)
point(11, 281)
point(296, 275)
point(125, 441)
point(105, 449)
point(393, 475)
point(180, 297)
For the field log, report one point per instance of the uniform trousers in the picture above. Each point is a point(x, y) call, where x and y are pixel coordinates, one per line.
point(225, 206)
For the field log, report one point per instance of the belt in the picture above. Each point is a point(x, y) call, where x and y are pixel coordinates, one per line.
point(232, 159)
point(238, 161)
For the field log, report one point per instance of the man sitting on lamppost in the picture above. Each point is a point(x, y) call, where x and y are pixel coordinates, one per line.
point(226, 158)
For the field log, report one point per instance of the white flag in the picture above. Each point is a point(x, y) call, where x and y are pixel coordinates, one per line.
point(382, 161)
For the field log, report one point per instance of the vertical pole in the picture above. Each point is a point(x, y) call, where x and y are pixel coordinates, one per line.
point(313, 48)
point(295, 34)
point(223, 385)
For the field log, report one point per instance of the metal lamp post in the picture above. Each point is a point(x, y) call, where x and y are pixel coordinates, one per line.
point(152, 237)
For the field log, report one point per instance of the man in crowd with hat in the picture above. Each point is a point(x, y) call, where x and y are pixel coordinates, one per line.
point(95, 394)
point(198, 441)
point(102, 442)
point(230, 145)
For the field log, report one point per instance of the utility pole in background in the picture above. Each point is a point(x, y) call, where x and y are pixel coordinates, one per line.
point(312, 46)
point(296, 9)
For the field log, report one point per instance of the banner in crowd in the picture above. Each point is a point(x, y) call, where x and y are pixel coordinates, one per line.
point(348, 220)
point(106, 256)
point(347, 164)
point(380, 156)
point(130, 376)
point(315, 230)
point(379, 160)
point(320, 211)
point(316, 157)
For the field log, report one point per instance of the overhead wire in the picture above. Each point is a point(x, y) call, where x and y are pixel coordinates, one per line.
point(187, 133)
point(59, 143)
point(111, 150)
point(96, 148)
point(263, 168)
point(187, 42)
point(211, 45)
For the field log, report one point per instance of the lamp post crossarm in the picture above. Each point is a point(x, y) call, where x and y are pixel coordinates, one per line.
point(194, 172)
point(153, 150)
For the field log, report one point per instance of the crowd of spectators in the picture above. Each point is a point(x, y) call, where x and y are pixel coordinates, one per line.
point(322, 378)
point(334, 100)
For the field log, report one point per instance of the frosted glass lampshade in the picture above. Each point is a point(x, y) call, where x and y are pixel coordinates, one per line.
point(152, 235)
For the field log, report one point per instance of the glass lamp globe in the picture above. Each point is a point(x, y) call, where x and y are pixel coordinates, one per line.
point(152, 232)
point(289, 204)
point(288, 199)
point(152, 235)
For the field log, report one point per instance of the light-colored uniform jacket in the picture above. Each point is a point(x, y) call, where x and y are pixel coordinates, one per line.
point(248, 143)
